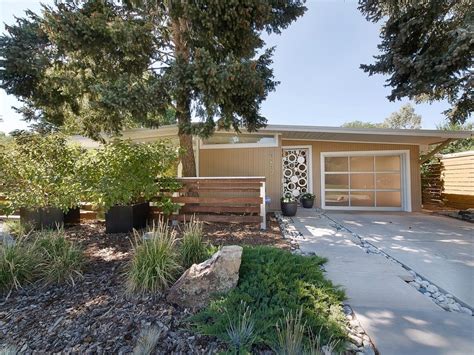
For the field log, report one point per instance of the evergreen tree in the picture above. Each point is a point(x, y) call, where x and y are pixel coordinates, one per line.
point(427, 50)
point(97, 65)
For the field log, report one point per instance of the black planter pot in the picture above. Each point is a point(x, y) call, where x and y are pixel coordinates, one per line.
point(289, 208)
point(123, 219)
point(73, 216)
point(38, 218)
point(307, 203)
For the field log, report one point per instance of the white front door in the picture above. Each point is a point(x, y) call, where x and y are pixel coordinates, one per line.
point(296, 168)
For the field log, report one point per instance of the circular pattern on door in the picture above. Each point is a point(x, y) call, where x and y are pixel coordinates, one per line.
point(295, 171)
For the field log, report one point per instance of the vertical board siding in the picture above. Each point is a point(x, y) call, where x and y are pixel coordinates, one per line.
point(245, 162)
point(267, 162)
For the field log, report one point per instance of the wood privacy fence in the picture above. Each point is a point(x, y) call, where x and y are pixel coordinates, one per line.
point(449, 181)
point(220, 199)
point(458, 179)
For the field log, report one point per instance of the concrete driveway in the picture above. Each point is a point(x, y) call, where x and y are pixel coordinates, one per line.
point(398, 318)
point(441, 249)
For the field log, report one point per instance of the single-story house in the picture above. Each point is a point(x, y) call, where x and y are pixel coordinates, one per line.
point(346, 168)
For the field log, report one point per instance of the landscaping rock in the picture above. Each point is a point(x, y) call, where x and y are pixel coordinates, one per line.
point(218, 274)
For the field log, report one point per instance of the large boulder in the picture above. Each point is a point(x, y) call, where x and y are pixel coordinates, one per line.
point(219, 274)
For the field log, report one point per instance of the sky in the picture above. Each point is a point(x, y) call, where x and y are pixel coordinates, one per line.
point(317, 63)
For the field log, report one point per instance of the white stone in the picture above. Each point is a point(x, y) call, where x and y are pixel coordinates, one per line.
point(355, 339)
point(415, 285)
point(453, 307)
point(432, 288)
point(368, 350)
point(451, 301)
point(425, 284)
point(412, 273)
point(418, 279)
point(441, 298)
point(466, 310)
point(436, 294)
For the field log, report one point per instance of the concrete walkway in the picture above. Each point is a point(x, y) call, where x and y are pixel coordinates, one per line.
point(399, 319)
point(440, 249)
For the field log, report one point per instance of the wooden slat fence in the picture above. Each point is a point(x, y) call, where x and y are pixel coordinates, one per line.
point(432, 184)
point(220, 199)
point(458, 179)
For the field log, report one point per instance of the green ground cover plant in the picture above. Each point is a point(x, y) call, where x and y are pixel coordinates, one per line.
point(274, 283)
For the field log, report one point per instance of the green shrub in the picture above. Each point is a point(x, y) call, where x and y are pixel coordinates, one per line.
point(192, 249)
point(274, 282)
point(40, 171)
point(124, 173)
point(155, 261)
point(18, 264)
point(61, 259)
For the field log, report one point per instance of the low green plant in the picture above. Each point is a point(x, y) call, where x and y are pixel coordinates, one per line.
point(307, 196)
point(274, 282)
point(147, 341)
point(294, 337)
point(155, 261)
point(18, 264)
point(287, 199)
point(241, 331)
point(16, 228)
point(61, 259)
point(192, 249)
point(290, 334)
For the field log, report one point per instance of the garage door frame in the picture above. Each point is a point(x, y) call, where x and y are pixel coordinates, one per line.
point(405, 188)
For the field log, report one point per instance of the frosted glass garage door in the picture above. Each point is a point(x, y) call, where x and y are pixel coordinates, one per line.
point(363, 181)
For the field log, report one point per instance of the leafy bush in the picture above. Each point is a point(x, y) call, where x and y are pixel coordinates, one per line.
point(124, 173)
point(40, 171)
point(274, 282)
point(192, 249)
point(155, 262)
point(61, 259)
point(18, 264)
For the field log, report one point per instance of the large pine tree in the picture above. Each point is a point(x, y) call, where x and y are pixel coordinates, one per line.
point(97, 65)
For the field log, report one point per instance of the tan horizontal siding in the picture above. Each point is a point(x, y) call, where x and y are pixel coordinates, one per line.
point(458, 175)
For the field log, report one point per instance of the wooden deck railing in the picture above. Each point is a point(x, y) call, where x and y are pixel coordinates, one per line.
point(221, 199)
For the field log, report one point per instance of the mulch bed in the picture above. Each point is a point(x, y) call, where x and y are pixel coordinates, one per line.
point(95, 315)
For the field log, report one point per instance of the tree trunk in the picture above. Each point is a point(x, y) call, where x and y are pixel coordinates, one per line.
point(186, 139)
point(183, 101)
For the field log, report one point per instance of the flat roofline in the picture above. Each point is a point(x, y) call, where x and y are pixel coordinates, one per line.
point(172, 129)
point(374, 131)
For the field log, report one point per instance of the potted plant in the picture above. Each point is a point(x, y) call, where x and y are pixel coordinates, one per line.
point(123, 176)
point(289, 205)
point(38, 178)
point(307, 200)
